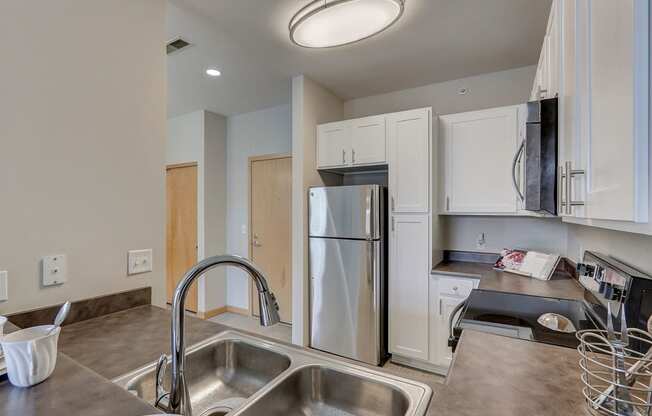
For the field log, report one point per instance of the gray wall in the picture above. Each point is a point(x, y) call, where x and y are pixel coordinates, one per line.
point(483, 91)
point(251, 134)
point(82, 139)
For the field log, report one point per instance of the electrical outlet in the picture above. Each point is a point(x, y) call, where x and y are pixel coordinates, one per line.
point(481, 241)
point(139, 261)
point(4, 292)
point(55, 270)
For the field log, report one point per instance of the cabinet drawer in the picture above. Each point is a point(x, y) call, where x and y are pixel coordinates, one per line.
point(455, 286)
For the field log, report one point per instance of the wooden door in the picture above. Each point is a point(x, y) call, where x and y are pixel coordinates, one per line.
point(333, 144)
point(368, 144)
point(181, 229)
point(409, 162)
point(270, 225)
point(408, 285)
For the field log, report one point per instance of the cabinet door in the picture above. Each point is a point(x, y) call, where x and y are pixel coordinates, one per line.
point(604, 110)
point(333, 145)
point(408, 286)
point(446, 306)
point(478, 154)
point(617, 182)
point(409, 139)
point(368, 141)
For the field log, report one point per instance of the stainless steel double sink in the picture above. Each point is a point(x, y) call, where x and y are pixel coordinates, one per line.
point(242, 375)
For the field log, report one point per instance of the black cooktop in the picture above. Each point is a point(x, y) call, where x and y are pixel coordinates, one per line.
point(515, 315)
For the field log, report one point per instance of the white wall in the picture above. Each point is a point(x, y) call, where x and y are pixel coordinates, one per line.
point(201, 137)
point(483, 91)
point(82, 139)
point(251, 134)
point(312, 104)
point(215, 205)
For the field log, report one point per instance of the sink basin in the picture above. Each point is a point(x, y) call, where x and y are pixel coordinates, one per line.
point(320, 390)
point(242, 375)
point(217, 374)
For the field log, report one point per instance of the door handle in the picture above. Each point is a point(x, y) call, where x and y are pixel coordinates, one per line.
point(515, 162)
point(343, 156)
point(256, 242)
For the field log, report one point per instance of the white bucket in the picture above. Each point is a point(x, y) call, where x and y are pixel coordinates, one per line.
point(30, 354)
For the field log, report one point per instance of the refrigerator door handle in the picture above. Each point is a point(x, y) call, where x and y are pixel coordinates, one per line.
point(368, 214)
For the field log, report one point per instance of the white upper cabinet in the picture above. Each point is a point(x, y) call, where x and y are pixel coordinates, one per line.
point(546, 80)
point(351, 143)
point(333, 145)
point(479, 147)
point(368, 144)
point(604, 107)
point(408, 135)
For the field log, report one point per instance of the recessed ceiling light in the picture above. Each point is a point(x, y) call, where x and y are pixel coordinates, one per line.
point(213, 72)
point(329, 23)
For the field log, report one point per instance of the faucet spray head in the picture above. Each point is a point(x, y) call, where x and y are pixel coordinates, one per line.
point(268, 308)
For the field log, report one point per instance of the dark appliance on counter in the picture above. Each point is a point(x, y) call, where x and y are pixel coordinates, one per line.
point(604, 278)
point(540, 147)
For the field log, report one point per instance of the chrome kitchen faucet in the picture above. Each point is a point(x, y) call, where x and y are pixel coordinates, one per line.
point(178, 400)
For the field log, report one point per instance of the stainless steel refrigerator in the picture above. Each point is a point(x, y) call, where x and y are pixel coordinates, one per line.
point(348, 271)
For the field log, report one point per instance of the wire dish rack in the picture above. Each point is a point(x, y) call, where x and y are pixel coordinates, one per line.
point(617, 378)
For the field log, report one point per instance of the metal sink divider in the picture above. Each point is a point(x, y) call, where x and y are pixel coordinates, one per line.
point(418, 395)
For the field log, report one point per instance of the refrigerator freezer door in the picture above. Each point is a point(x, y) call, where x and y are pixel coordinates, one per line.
point(345, 212)
point(345, 301)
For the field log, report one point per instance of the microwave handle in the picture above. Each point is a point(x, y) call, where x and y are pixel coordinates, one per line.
point(517, 157)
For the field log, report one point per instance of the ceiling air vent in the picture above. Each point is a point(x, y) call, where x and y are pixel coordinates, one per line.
point(175, 45)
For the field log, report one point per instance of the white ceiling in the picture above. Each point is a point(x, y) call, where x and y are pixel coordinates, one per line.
point(435, 41)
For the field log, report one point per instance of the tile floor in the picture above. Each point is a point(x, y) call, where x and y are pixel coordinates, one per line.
point(283, 332)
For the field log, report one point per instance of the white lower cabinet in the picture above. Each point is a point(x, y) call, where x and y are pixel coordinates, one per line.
point(446, 293)
point(408, 286)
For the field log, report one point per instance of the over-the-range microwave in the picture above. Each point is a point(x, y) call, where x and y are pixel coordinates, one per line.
point(539, 148)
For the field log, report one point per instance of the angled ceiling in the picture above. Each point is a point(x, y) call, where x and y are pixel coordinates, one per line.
point(247, 40)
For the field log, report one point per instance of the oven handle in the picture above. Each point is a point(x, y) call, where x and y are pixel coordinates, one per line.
point(452, 341)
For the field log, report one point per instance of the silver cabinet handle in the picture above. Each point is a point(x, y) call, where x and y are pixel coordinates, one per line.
point(392, 200)
point(393, 224)
point(352, 155)
point(448, 203)
point(441, 311)
point(343, 156)
point(515, 162)
point(567, 174)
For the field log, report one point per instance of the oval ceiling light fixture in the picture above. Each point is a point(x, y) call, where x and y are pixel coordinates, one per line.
point(213, 72)
point(326, 24)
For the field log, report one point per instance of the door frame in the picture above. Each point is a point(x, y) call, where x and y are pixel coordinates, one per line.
point(252, 159)
point(169, 167)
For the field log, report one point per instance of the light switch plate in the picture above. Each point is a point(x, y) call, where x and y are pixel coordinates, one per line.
point(4, 292)
point(55, 270)
point(139, 261)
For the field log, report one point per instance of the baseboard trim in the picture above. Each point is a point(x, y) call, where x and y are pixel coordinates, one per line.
point(212, 312)
point(420, 365)
point(239, 311)
point(222, 309)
